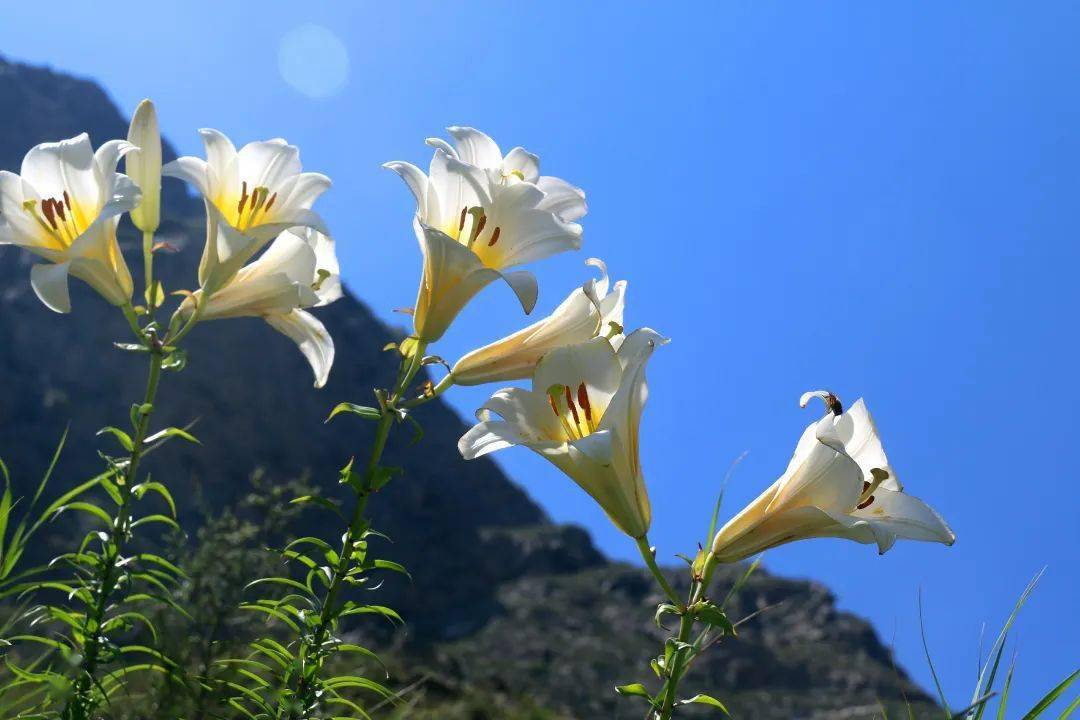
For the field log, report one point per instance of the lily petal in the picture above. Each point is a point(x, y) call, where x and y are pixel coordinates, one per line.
point(475, 148)
point(562, 198)
point(67, 166)
point(191, 170)
point(415, 179)
point(452, 276)
point(50, 283)
point(521, 160)
point(311, 336)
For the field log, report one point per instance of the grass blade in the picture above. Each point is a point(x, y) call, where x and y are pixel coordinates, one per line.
point(930, 662)
point(1053, 695)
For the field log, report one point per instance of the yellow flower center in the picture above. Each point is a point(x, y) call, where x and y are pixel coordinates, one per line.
point(578, 419)
point(60, 218)
point(476, 219)
point(250, 208)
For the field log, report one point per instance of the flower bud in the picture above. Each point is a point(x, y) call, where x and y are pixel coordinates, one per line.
point(144, 166)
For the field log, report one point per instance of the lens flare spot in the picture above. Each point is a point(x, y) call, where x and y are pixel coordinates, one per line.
point(314, 61)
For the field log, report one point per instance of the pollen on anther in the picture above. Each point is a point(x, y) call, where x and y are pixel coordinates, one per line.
point(270, 202)
point(243, 197)
point(461, 222)
point(573, 408)
point(67, 200)
point(583, 400)
point(49, 211)
point(481, 224)
point(494, 237)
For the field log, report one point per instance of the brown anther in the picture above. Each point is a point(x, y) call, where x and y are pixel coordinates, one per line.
point(67, 200)
point(243, 197)
point(270, 202)
point(494, 237)
point(480, 226)
point(60, 211)
point(583, 400)
point(461, 223)
point(573, 408)
point(866, 503)
point(47, 209)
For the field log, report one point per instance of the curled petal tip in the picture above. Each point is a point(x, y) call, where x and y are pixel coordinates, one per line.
point(810, 395)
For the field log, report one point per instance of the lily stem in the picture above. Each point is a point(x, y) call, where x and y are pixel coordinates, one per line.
point(649, 556)
point(684, 655)
point(81, 704)
point(312, 653)
point(148, 273)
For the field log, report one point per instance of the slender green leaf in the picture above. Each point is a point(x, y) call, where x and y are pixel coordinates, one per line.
point(368, 413)
point(1051, 696)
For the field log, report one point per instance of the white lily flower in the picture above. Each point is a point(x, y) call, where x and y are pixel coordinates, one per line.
point(298, 270)
point(587, 312)
point(838, 484)
point(64, 206)
point(474, 222)
point(144, 166)
point(582, 414)
point(258, 191)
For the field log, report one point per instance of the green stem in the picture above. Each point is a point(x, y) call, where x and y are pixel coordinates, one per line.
point(683, 657)
point(312, 652)
point(81, 704)
point(649, 557)
point(148, 272)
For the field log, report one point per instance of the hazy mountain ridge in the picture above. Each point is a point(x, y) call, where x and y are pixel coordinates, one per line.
point(492, 577)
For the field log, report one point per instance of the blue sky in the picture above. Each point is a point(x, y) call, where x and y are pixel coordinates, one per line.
point(878, 200)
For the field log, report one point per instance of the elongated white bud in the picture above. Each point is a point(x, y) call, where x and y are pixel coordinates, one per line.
point(144, 165)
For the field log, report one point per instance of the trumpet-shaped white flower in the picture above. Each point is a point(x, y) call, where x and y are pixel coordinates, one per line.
point(259, 191)
point(838, 484)
point(298, 270)
point(473, 222)
point(64, 206)
point(591, 310)
point(583, 415)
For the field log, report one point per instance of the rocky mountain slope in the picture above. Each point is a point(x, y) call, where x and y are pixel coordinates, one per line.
point(505, 608)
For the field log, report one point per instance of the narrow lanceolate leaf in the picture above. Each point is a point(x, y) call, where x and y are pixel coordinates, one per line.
point(709, 613)
point(89, 508)
point(1053, 695)
point(368, 413)
point(706, 700)
point(634, 690)
point(122, 437)
point(171, 432)
point(151, 486)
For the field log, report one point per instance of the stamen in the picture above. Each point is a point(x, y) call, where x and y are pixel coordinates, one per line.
point(270, 203)
point(60, 211)
point(866, 501)
point(583, 400)
point(243, 198)
point(49, 211)
point(461, 223)
point(494, 237)
point(67, 200)
point(554, 406)
point(573, 408)
point(483, 222)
